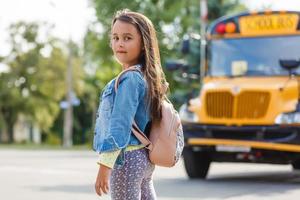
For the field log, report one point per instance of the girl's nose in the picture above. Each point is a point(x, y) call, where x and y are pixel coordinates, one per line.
point(121, 44)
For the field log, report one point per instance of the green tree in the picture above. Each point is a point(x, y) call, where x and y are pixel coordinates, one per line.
point(35, 82)
point(219, 8)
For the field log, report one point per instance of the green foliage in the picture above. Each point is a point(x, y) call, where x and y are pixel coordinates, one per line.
point(35, 83)
point(218, 8)
point(43, 75)
point(53, 139)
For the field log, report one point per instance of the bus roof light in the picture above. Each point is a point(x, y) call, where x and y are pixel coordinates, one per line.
point(230, 27)
point(221, 28)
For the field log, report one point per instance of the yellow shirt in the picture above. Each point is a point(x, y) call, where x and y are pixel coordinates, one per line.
point(109, 158)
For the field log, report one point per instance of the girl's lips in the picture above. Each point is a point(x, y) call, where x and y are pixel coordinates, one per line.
point(121, 52)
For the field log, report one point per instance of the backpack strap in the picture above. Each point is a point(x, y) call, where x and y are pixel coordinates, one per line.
point(132, 68)
point(135, 129)
point(141, 136)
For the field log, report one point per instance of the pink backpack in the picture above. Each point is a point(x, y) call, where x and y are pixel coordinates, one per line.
point(166, 141)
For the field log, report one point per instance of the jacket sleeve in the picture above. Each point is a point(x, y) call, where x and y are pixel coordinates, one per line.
point(130, 92)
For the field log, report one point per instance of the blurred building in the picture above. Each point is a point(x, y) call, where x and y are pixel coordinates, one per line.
point(26, 132)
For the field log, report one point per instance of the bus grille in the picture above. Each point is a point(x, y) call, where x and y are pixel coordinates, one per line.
point(247, 104)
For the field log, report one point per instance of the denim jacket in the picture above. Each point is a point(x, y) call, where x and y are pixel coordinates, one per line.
point(116, 113)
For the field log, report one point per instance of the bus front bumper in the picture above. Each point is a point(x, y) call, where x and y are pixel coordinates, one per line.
point(257, 144)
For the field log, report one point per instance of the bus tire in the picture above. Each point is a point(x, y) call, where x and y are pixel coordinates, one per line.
point(296, 164)
point(196, 163)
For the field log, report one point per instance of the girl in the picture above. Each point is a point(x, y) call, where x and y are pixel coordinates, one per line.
point(124, 166)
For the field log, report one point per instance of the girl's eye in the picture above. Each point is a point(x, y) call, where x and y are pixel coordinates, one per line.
point(115, 38)
point(127, 38)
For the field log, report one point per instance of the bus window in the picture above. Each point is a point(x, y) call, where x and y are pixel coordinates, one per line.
point(261, 54)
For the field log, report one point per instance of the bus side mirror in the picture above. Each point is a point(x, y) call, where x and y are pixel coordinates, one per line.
point(173, 65)
point(289, 64)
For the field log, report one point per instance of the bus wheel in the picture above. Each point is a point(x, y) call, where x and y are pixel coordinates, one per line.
point(196, 163)
point(296, 164)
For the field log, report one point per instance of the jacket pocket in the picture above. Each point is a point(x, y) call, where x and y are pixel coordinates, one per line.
point(107, 99)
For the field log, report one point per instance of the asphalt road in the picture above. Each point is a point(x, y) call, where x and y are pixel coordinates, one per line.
point(70, 175)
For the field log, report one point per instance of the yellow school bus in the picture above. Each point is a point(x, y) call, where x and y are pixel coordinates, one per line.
point(248, 109)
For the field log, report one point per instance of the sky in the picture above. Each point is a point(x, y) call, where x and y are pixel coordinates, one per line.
point(71, 17)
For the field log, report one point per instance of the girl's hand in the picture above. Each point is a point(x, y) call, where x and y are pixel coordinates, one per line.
point(102, 181)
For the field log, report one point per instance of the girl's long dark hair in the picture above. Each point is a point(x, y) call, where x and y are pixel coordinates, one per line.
point(149, 58)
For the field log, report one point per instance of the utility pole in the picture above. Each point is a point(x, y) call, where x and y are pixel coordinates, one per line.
point(203, 20)
point(68, 117)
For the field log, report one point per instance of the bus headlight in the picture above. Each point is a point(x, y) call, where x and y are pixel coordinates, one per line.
point(186, 115)
point(288, 118)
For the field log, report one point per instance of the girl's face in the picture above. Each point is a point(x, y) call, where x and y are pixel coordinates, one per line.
point(126, 43)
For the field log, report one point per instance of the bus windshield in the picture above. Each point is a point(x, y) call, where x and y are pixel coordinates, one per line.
point(257, 56)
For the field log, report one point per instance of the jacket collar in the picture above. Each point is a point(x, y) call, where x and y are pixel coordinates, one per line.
point(138, 66)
